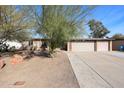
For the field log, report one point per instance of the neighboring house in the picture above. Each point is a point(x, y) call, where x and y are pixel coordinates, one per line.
point(36, 42)
point(116, 43)
point(93, 44)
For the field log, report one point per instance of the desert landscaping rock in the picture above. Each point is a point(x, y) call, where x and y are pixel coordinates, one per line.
point(18, 83)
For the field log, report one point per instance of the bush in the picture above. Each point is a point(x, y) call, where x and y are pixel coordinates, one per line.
point(12, 49)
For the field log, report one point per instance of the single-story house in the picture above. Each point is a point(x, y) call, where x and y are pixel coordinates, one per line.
point(93, 44)
point(116, 43)
point(89, 44)
point(35, 42)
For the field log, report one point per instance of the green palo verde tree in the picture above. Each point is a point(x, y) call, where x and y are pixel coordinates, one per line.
point(60, 23)
point(15, 23)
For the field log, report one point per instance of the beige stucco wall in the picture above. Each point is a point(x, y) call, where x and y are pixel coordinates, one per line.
point(25, 43)
point(69, 46)
point(37, 44)
point(110, 46)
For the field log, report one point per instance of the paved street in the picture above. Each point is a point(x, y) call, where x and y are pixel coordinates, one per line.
point(98, 69)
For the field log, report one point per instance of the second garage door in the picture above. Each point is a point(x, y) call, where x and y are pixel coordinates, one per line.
point(102, 46)
point(82, 46)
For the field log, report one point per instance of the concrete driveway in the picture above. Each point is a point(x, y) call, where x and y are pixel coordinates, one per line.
point(98, 69)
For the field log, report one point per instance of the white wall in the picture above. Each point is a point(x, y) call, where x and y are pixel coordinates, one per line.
point(13, 43)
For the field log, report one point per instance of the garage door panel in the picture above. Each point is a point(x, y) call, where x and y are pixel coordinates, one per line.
point(82, 46)
point(102, 46)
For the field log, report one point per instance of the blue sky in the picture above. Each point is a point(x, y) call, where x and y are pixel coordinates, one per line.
point(112, 18)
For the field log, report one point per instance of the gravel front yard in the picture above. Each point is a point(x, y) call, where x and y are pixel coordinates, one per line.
point(39, 72)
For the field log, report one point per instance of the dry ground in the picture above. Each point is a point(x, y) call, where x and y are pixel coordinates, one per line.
point(39, 72)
